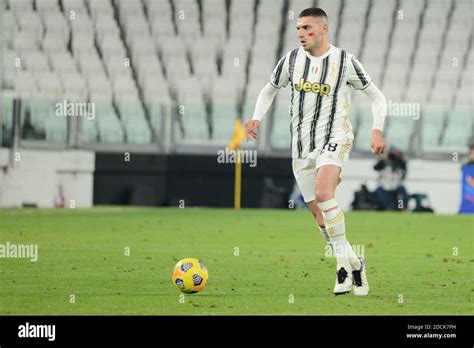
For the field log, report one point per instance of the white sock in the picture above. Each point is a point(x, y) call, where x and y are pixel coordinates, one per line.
point(324, 233)
point(336, 231)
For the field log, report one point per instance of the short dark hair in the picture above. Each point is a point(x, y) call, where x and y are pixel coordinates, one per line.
point(313, 12)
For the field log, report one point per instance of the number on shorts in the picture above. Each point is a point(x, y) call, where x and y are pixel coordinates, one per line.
point(330, 147)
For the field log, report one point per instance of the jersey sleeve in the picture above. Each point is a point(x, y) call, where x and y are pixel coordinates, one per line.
point(280, 75)
point(357, 77)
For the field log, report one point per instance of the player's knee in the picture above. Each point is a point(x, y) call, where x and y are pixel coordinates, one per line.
point(323, 196)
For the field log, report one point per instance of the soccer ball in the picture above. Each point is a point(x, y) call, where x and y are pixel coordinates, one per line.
point(190, 275)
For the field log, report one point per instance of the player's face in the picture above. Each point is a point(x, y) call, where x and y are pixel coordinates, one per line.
point(310, 32)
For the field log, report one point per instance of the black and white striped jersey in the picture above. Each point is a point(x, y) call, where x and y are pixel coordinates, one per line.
point(320, 96)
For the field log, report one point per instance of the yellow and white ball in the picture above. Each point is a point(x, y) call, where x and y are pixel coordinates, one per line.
point(190, 275)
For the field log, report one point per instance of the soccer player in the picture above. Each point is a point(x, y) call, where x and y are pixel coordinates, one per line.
point(321, 77)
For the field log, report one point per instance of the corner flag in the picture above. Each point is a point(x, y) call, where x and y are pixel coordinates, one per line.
point(237, 138)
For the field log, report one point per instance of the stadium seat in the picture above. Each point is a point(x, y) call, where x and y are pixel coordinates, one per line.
point(188, 31)
point(225, 95)
point(54, 42)
point(110, 131)
point(90, 64)
point(194, 120)
point(215, 31)
point(162, 27)
point(25, 43)
point(254, 87)
point(78, 6)
point(56, 130)
point(9, 27)
point(155, 88)
point(82, 43)
point(177, 72)
point(99, 87)
point(205, 69)
point(300, 5)
point(21, 6)
point(393, 88)
point(264, 52)
point(213, 9)
point(105, 25)
point(352, 25)
point(411, 5)
point(74, 85)
point(117, 66)
point(137, 131)
point(432, 119)
point(25, 83)
point(280, 133)
point(171, 52)
point(399, 131)
point(243, 7)
point(88, 131)
point(108, 125)
point(135, 27)
point(418, 91)
point(111, 46)
point(143, 46)
point(192, 111)
point(9, 79)
point(100, 9)
point(459, 129)
point(55, 22)
point(62, 62)
point(7, 103)
point(160, 9)
point(363, 129)
point(224, 115)
point(30, 22)
point(36, 61)
point(82, 25)
point(464, 93)
point(157, 110)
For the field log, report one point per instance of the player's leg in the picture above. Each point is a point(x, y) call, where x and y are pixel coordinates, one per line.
point(330, 161)
point(328, 177)
point(304, 171)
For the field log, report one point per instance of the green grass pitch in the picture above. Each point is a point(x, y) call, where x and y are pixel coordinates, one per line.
point(424, 261)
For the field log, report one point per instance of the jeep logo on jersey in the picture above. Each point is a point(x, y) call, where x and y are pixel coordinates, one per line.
point(322, 89)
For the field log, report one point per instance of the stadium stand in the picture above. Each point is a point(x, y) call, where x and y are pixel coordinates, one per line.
point(203, 63)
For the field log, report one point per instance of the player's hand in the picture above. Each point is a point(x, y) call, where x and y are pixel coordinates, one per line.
point(377, 143)
point(251, 129)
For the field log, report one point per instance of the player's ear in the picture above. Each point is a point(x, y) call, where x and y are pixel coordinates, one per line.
point(325, 28)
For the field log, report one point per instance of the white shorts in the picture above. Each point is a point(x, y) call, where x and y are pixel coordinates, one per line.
point(304, 169)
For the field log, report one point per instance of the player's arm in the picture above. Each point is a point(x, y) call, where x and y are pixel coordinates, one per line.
point(359, 79)
point(279, 78)
point(264, 100)
point(379, 110)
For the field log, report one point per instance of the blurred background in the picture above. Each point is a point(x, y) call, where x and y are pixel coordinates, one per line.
point(129, 102)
